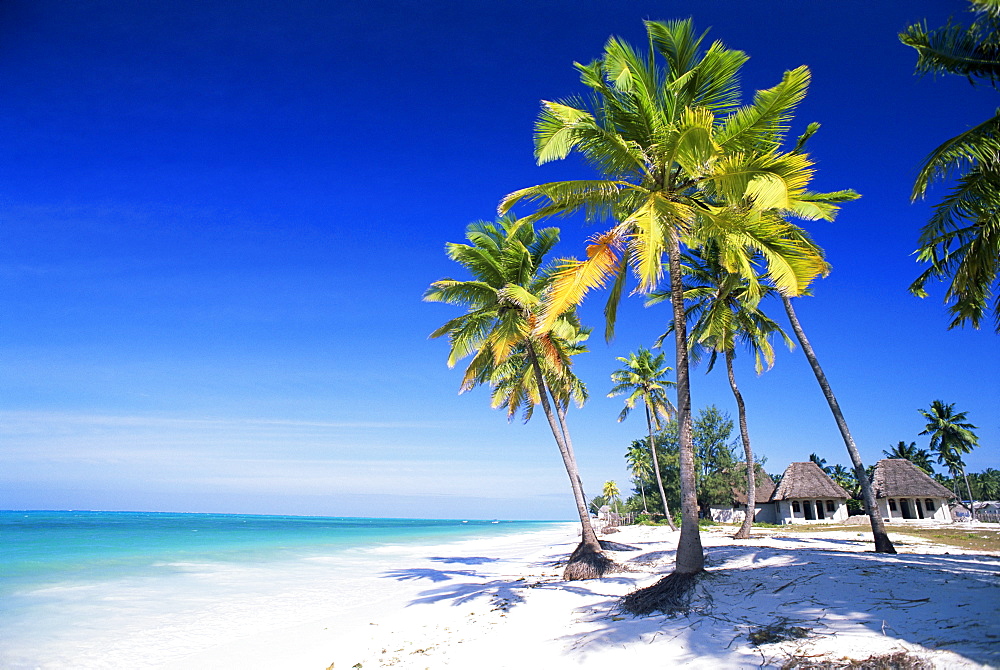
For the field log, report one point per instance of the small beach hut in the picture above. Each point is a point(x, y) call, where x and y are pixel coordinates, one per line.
point(904, 492)
point(806, 494)
point(737, 509)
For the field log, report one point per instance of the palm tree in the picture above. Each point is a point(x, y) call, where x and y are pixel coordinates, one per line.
point(844, 478)
point(951, 437)
point(724, 311)
point(882, 542)
point(821, 462)
point(986, 484)
point(680, 163)
point(962, 239)
point(612, 494)
point(498, 331)
point(644, 378)
point(639, 464)
point(919, 457)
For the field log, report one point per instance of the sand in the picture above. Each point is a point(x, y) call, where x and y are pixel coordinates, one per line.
point(499, 603)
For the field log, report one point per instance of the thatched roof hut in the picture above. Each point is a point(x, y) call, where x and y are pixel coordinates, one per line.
point(807, 480)
point(899, 478)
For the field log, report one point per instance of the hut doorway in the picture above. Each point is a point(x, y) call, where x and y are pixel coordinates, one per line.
point(819, 510)
point(807, 508)
point(904, 505)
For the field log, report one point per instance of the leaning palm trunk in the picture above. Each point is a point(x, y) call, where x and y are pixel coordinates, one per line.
point(656, 469)
point(882, 543)
point(587, 561)
point(744, 532)
point(564, 430)
point(690, 556)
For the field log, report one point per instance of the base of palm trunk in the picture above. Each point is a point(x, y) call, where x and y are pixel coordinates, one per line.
point(883, 545)
point(587, 563)
point(670, 595)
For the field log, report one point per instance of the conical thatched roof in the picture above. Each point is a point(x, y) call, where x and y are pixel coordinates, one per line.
point(765, 487)
point(899, 478)
point(807, 480)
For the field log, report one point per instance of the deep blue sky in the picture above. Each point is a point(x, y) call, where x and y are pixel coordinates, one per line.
point(217, 222)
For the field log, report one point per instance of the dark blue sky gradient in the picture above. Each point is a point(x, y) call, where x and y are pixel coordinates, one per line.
point(217, 222)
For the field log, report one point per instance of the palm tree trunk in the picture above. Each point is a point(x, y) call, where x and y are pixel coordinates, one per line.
point(587, 561)
point(690, 555)
point(972, 503)
point(883, 544)
point(656, 468)
point(744, 532)
point(561, 414)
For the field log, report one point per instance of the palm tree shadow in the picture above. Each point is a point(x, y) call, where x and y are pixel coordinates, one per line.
point(410, 574)
point(466, 560)
point(945, 602)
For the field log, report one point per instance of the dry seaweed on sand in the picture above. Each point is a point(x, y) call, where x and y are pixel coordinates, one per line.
point(670, 595)
point(899, 660)
point(779, 631)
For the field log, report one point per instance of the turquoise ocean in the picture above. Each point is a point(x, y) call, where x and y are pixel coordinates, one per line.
point(73, 582)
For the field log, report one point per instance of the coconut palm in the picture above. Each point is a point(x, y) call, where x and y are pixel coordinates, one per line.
point(951, 437)
point(821, 462)
point(844, 478)
point(507, 350)
point(639, 464)
point(986, 484)
point(644, 378)
point(724, 312)
point(612, 494)
point(680, 163)
point(962, 239)
point(919, 457)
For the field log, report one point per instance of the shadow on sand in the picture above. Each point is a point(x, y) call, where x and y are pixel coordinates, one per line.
point(946, 602)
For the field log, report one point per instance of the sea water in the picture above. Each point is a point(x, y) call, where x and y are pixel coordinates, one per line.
point(134, 589)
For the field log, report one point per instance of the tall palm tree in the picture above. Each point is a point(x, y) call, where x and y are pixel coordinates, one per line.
point(612, 494)
point(951, 437)
point(680, 163)
point(644, 378)
point(882, 542)
point(919, 457)
point(962, 239)
point(724, 312)
point(639, 464)
point(507, 350)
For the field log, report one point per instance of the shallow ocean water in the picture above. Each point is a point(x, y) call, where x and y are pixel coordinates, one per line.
point(130, 589)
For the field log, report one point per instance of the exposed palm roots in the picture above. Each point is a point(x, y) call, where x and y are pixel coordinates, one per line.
point(670, 595)
point(587, 563)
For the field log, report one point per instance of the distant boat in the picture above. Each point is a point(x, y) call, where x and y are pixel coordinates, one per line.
point(465, 522)
point(494, 521)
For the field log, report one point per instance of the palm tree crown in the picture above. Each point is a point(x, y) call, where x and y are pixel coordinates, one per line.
point(962, 239)
point(680, 162)
point(919, 457)
point(644, 377)
point(951, 435)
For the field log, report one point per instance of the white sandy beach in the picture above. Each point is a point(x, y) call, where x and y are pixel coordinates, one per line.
point(498, 603)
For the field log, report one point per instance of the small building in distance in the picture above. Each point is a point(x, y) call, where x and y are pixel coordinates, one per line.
point(806, 494)
point(904, 492)
point(737, 509)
